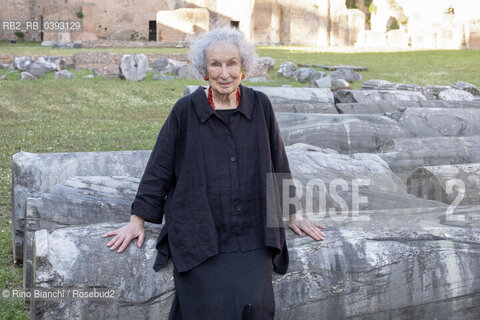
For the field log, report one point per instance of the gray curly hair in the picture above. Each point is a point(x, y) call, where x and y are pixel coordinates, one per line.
point(223, 35)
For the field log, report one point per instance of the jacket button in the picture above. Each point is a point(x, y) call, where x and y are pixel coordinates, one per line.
point(232, 158)
point(238, 208)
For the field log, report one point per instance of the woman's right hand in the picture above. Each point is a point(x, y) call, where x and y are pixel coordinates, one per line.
point(123, 235)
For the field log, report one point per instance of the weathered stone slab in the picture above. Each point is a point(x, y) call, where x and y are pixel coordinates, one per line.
point(278, 95)
point(32, 172)
point(433, 182)
point(323, 107)
point(77, 257)
point(76, 201)
point(419, 264)
point(437, 122)
point(408, 154)
point(455, 95)
point(133, 67)
point(332, 68)
point(344, 96)
point(307, 159)
point(337, 182)
point(429, 91)
point(465, 86)
point(380, 107)
point(376, 84)
point(322, 274)
point(343, 133)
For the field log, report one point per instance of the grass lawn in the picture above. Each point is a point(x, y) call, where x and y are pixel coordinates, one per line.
point(48, 115)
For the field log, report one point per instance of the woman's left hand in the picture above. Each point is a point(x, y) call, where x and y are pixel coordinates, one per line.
point(298, 224)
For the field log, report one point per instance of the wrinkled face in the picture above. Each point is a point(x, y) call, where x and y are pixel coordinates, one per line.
point(224, 68)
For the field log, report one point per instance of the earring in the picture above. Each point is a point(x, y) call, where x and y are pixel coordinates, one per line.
point(205, 78)
point(243, 75)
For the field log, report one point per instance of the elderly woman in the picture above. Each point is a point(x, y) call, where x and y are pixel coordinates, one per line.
point(208, 174)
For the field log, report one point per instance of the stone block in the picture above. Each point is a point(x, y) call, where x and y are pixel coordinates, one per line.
point(398, 39)
point(133, 67)
point(472, 34)
point(377, 95)
point(33, 172)
point(346, 134)
point(439, 182)
point(405, 155)
point(442, 122)
point(422, 40)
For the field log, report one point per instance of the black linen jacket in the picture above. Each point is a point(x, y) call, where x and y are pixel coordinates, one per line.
point(209, 179)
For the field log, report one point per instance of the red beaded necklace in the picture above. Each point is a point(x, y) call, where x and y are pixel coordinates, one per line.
point(210, 97)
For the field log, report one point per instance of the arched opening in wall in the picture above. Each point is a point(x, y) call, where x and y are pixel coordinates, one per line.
point(392, 24)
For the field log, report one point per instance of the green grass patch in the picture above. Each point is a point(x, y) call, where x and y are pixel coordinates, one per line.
point(66, 115)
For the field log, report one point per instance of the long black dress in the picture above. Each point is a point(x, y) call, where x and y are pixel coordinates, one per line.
point(231, 285)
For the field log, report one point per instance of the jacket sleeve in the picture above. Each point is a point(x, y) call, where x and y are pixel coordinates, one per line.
point(159, 174)
point(280, 162)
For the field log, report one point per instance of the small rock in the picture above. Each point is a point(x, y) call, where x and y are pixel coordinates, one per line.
point(267, 62)
point(77, 44)
point(48, 63)
point(340, 84)
point(89, 76)
point(465, 86)
point(21, 63)
point(373, 84)
point(307, 74)
point(166, 65)
point(27, 76)
point(325, 82)
point(188, 72)
point(63, 74)
point(455, 95)
point(346, 74)
point(4, 77)
point(286, 70)
point(37, 69)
